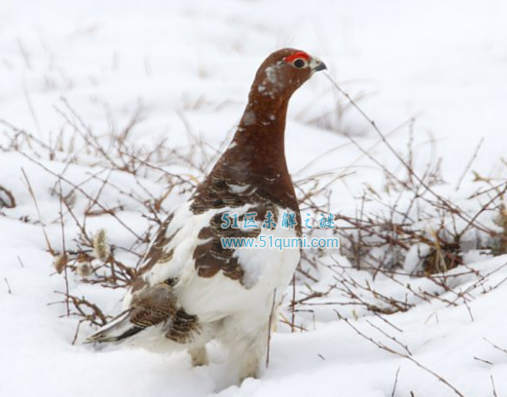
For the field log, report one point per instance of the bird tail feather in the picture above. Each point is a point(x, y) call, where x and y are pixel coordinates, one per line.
point(119, 328)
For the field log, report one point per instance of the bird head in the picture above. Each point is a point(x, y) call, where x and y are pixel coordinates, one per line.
point(283, 72)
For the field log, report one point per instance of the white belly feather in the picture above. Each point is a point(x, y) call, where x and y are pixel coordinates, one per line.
point(216, 297)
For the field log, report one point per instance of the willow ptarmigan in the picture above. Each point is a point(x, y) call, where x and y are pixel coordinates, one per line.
point(190, 289)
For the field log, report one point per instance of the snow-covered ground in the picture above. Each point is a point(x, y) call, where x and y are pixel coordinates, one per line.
point(187, 67)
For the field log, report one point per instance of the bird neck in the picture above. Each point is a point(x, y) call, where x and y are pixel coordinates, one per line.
point(258, 152)
point(261, 134)
point(253, 168)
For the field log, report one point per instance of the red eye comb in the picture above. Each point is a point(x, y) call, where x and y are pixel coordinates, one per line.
point(297, 55)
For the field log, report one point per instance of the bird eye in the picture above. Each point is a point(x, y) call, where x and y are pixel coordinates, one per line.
point(299, 63)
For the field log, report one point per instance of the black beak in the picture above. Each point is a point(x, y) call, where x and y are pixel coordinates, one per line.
point(320, 66)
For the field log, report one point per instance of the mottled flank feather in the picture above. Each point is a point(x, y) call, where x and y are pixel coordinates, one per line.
point(210, 257)
point(183, 328)
point(158, 247)
point(153, 305)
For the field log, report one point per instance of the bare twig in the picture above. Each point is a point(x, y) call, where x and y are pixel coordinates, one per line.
point(32, 194)
point(8, 285)
point(270, 322)
point(395, 382)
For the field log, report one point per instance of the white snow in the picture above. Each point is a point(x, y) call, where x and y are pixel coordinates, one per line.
point(187, 67)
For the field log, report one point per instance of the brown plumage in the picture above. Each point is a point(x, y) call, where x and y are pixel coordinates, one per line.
point(191, 289)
